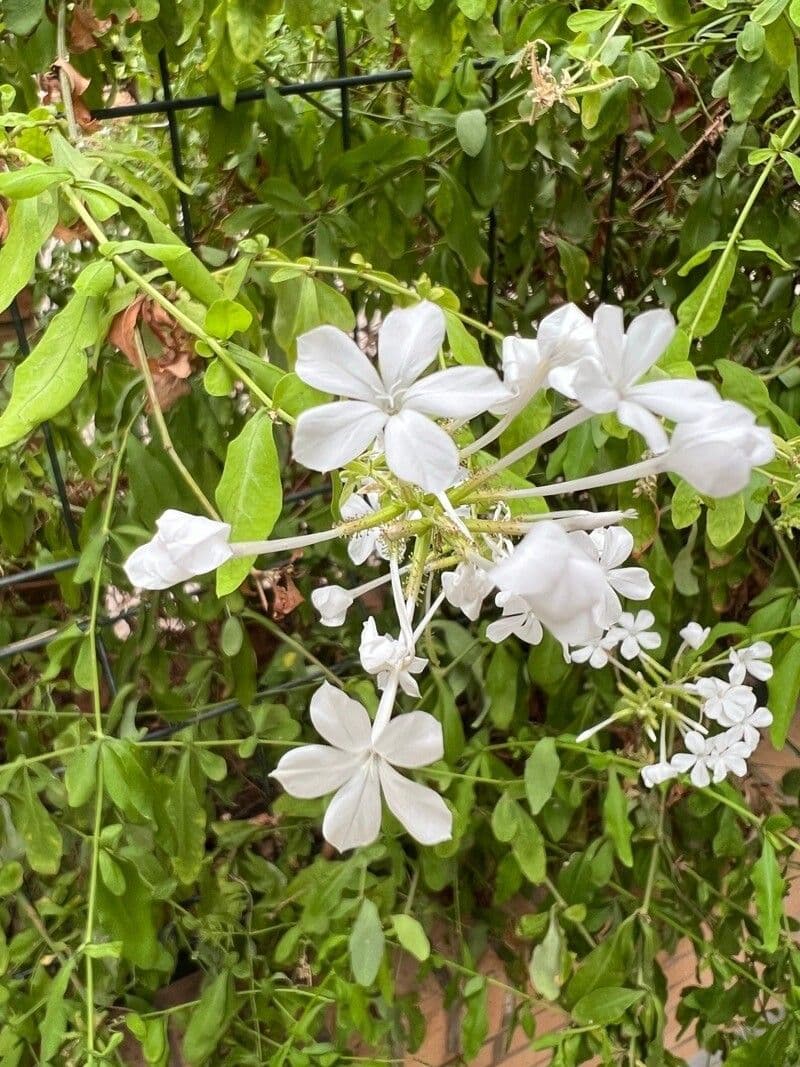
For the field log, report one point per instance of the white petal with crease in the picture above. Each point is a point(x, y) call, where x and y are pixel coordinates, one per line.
point(456, 393)
point(421, 811)
point(411, 740)
point(408, 341)
point(420, 452)
point(331, 361)
point(314, 770)
point(353, 817)
point(331, 435)
point(338, 718)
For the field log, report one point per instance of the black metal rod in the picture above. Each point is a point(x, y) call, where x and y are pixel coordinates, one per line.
point(61, 489)
point(491, 238)
point(30, 575)
point(344, 92)
point(608, 241)
point(41, 640)
point(245, 96)
point(175, 147)
point(216, 711)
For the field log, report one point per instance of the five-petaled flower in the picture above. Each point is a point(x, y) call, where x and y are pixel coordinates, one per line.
point(391, 405)
point(358, 765)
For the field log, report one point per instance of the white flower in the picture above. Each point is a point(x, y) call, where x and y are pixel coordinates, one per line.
point(656, 773)
point(608, 381)
point(747, 730)
point(517, 618)
point(595, 653)
point(466, 588)
point(358, 764)
point(710, 759)
point(565, 338)
point(694, 634)
point(614, 544)
point(183, 547)
point(724, 703)
point(565, 587)
point(389, 404)
point(716, 454)
point(333, 603)
point(634, 634)
point(364, 544)
point(752, 660)
point(383, 656)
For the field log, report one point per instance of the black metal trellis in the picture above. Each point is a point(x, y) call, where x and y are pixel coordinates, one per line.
point(169, 105)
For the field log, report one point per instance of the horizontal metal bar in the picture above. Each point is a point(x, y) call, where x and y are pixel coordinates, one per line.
point(29, 644)
point(246, 96)
point(33, 573)
point(216, 711)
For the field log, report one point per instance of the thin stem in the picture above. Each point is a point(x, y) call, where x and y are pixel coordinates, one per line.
point(163, 430)
point(555, 429)
point(63, 77)
point(297, 646)
point(183, 320)
point(595, 481)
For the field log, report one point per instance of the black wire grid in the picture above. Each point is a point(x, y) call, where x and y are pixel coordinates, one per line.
point(169, 105)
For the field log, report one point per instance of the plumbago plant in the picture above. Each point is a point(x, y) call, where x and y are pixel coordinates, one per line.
point(548, 562)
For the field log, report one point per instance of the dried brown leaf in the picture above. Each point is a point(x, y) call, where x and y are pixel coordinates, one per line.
point(85, 27)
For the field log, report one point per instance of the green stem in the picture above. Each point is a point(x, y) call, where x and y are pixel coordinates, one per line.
point(737, 229)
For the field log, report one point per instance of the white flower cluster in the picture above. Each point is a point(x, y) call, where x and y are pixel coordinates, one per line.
point(732, 705)
point(423, 494)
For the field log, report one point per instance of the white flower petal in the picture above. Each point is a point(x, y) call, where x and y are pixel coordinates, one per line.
point(609, 327)
point(147, 568)
point(700, 776)
point(677, 399)
point(614, 543)
point(353, 817)
point(631, 582)
point(330, 360)
point(408, 341)
point(361, 547)
point(420, 810)
point(647, 338)
point(420, 452)
point(328, 436)
point(411, 740)
point(314, 770)
point(342, 721)
point(638, 418)
point(456, 393)
point(333, 603)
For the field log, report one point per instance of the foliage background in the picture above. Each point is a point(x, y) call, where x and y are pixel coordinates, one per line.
point(662, 182)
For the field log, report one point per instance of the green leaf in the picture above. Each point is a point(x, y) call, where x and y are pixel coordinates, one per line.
point(784, 688)
point(528, 848)
point(366, 944)
point(50, 378)
point(225, 318)
point(471, 130)
point(11, 874)
point(30, 223)
point(644, 69)
point(700, 312)
point(547, 960)
point(43, 844)
point(249, 494)
point(463, 346)
point(541, 774)
point(604, 1006)
point(615, 819)
point(505, 822)
point(768, 11)
point(725, 518)
point(247, 27)
point(501, 685)
point(30, 181)
point(124, 780)
point(588, 21)
point(80, 776)
point(22, 16)
point(411, 936)
point(188, 817)
point(207, 1023)
point(769, 887)
point(54, 1023)
point(184, 266)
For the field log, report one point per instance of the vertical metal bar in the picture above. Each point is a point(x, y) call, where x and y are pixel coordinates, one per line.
point(61, 489)
point(344, 92)
point(491, 237)
point(608, 241)
point(175, 146)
